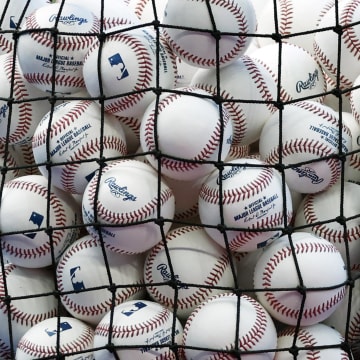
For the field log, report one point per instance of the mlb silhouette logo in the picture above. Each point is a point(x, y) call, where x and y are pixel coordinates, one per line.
point(63, 326)
point(77, 283)
point(36, 219)
point(134, 308)
point(116, 60)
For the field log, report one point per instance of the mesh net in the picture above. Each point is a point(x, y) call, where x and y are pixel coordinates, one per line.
point(179, 179)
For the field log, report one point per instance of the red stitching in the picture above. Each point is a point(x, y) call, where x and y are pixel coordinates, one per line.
point(286, 17)
point(234, 53)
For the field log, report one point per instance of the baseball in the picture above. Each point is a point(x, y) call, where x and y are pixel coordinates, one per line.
point(127, 64)
point(251, 198)
point(10, 160)
point(198, 48)
point(19, 118)
point(190, 257)
point(129, 192)
point(212, 325)
point(73, 132)
point(82, 276)
point(285, 281)
point(57, 335)
point(304, 80)
point(292, 19)
point(310, 131)
point(257, 85)
point(29, 209)
point(315, 210)
point(186, 128)
point(37, 304)
point(354, 99)
point(145, 326)
point(310, 341)
point(14, 14)
point(41, 67)
point(326, 43)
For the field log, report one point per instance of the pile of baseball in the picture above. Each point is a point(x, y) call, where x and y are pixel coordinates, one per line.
point(180, 179)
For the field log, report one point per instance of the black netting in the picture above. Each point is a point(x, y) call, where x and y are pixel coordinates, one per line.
point(180, 179)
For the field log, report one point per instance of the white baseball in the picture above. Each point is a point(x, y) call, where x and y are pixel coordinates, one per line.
point(198, 48)
point(339, 320)
point(35, 285)
point(251, 198)
point(18, 119)
point(310, 132)
point(111, 13)
point(212, 325)
point(82, 267)
point(57, 335)
point(304, 80)
point(190, 257)
point(14, 16)
point(284, 279)
point(143, 325)
point(293, 17)
point(36, 47)
point(257, 85)
point(71, 133)
point(129, 192)
point(126, 65)
point(36, 222)
point(326, 43)
point(315, 209)
point(189, 129)
point(317, 341)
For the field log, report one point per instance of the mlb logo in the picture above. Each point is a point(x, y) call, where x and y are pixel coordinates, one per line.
point(116, 60)
point(37, 219)
point(134, 308)
point(63, 326)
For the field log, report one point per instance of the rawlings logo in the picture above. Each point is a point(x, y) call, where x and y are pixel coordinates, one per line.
point(309, 83)
point(68, 19)
point(119, 191)
point(309, 173)
point(229, 174)
point(166, 275)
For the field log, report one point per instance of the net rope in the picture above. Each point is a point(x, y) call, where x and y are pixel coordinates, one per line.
point(349, 346)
